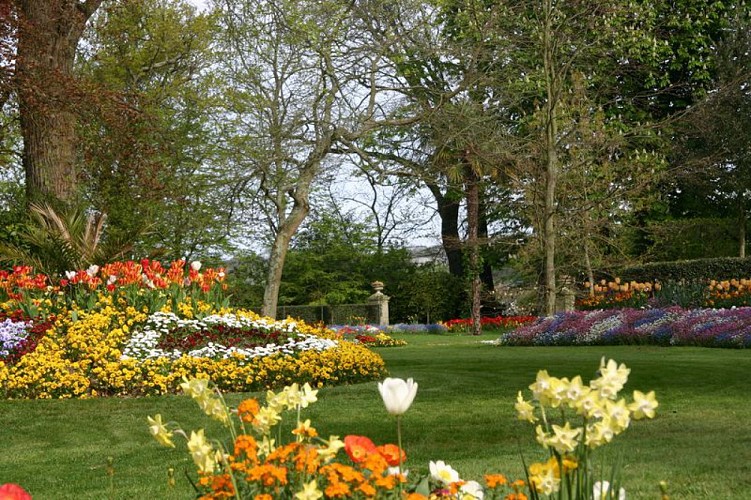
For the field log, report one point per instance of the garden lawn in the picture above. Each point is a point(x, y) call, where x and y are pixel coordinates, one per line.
point(700, 441)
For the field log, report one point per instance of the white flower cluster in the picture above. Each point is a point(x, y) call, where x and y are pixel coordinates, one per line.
point(144, 343)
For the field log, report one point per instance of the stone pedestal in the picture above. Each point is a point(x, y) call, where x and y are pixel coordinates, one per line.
point(382, 301)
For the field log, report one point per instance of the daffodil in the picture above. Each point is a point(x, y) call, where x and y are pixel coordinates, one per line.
point(611, 380)
point(202, 452)
point(524, 409)
point(619, 414)
point(644, 405)
point(309, 491)
point(397, 394)
point(333, 445)
point(160, 431)
point(564, 439)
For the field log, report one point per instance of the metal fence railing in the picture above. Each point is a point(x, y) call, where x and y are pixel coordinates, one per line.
point(338, 314)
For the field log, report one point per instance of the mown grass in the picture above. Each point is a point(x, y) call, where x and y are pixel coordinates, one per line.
point(463, 414)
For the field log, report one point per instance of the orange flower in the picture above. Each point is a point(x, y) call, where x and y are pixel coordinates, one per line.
point(393, 454)
point(367, 489)
point(268, 474)
point(247, 445)
point(306, 460)
point(375, 463)
point(359, 447)
point(516, 496)
point(495, 480)
point(263, 496)
point(337, 490)
point(387, 482)
point(247, 410)
point(416, 496)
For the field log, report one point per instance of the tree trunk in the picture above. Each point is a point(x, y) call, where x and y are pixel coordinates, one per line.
point(742, 221)
point(486, 275)
point(278, 255)
point(551, 159)
point(590, 272)
point(448, 211)
point(48, 33)
point(473, 220)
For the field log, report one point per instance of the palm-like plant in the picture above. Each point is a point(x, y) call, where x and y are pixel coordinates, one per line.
point(55, 241)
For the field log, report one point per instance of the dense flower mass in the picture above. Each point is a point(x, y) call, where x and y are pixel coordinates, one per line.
point(698, 293)
point(111, 342)
point(729, 328)
point(224, 336)
point(489, 322)
point(369, 335)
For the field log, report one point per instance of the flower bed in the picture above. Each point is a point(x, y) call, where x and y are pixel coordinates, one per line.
point(369, 335)
point(143, 335)
point(729, 328)
point(496, 322)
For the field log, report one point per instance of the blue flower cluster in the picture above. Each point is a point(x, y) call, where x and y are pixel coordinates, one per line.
point(12, 333)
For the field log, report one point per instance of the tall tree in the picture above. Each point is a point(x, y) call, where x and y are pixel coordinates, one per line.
point(48, 32)
point(148, 150)
point(293, 68)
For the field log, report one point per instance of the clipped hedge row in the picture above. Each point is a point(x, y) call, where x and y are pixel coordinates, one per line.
point(723, 268)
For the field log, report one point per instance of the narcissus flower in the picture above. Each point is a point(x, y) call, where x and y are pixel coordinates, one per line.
point(309, 491)
point(397, 394)
point(524, 409)
point(644, 405)
point(160, 431)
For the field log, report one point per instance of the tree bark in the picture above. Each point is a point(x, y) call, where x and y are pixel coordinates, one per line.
point(278, 255)
point(551, 159)
point(48, 33)
point(486, 275)
point(448, 211)
point(742, 221)
point(473, 220)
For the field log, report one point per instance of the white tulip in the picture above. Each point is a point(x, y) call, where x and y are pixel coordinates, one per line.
point(601, 491)
point(195, 265)
point(397, 394)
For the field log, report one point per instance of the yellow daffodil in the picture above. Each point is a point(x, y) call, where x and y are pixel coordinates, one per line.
point(644, 405)
point(620, 416)
point(333, 445)
point(524, 409)
point(266, 418)
point(564, 439)
point(599, 433)
point(202, 452)
point(611, 380)
point(309, 491)
point(160, 431)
